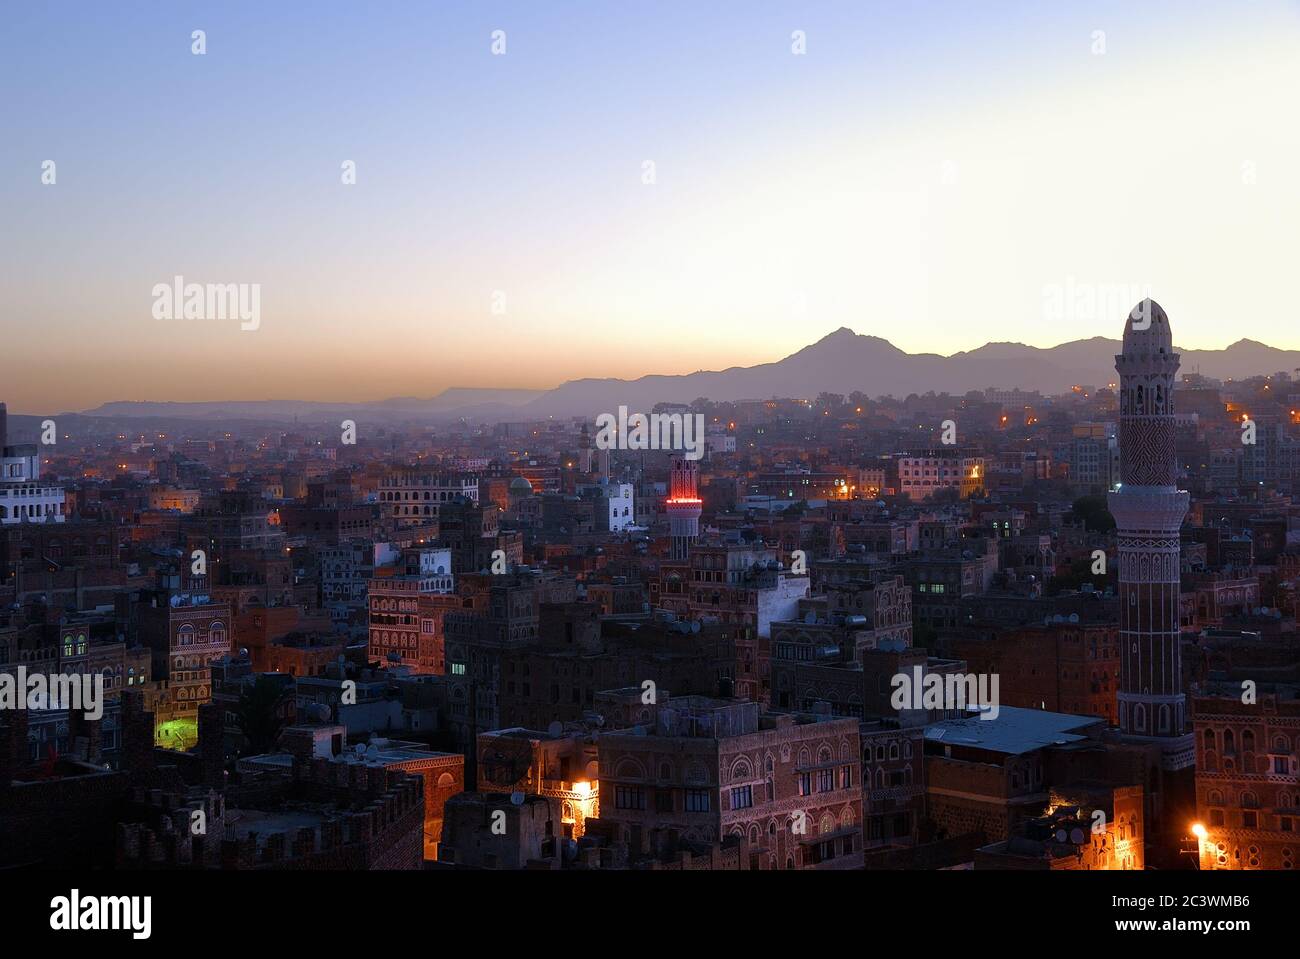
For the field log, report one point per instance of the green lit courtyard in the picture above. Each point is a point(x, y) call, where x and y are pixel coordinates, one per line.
point(178, 734)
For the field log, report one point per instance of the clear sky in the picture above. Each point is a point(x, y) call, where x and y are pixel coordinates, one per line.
point(927, 172)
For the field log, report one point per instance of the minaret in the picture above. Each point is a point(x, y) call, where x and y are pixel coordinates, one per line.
point(1148, 508)
point(585, 451)
point(684, 505)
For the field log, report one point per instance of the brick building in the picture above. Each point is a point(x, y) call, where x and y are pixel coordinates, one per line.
point(705, 769)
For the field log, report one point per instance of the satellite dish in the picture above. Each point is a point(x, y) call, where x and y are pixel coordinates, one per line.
point(1076, 836)
point(1060, 835)
point(517, 798)
point(556, 728)
point(359, 749)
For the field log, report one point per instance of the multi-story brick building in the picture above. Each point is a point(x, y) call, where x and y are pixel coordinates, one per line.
point(1060, 666)
point(927, 473)
point(746, 588)
point(414, 495)
point(1247, 775)
point(560, 764)
point(708, 768)
point(186, 632)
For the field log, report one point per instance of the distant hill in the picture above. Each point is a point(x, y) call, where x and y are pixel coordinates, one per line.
point(455, 401)
point(840, 362)
point(844, 361)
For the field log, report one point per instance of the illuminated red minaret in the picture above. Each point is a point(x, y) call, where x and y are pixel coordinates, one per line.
point(684, 505)
point(1148, 508)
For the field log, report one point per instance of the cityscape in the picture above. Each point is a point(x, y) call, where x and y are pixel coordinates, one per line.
point(1003, 630)
point(450, 441)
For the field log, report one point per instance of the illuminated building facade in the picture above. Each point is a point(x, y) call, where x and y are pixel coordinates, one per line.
point(1247, 777)
point(925, 474)
point(705, 769)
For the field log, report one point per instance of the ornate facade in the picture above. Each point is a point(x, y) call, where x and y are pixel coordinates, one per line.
point(1148, 509)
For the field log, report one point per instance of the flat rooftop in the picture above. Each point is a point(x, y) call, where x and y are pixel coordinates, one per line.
point(1014, 731)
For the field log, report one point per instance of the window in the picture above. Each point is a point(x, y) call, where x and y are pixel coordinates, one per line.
point(846, 777)
point(742, 797)
point(629, 797)
point(825, 780)
point(805, 784)
point(697, 800)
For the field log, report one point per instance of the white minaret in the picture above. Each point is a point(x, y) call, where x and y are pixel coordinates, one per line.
point(1148, 508)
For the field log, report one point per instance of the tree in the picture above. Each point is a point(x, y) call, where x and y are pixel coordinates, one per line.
point(259, 711)
point(1094, 513)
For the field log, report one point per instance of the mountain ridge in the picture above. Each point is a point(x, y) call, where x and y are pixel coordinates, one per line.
point(842, 361)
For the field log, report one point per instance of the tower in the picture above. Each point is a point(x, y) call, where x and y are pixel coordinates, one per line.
point(684, 505)
point(585, 451)
point(1148, 508)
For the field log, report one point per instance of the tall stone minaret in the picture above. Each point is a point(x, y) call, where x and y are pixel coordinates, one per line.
point(1148, 508)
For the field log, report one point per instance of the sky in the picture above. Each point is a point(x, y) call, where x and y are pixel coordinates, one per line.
point(626, 189)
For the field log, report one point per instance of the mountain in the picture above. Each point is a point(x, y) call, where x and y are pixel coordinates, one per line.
point(840, 362)
point(844, 361)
